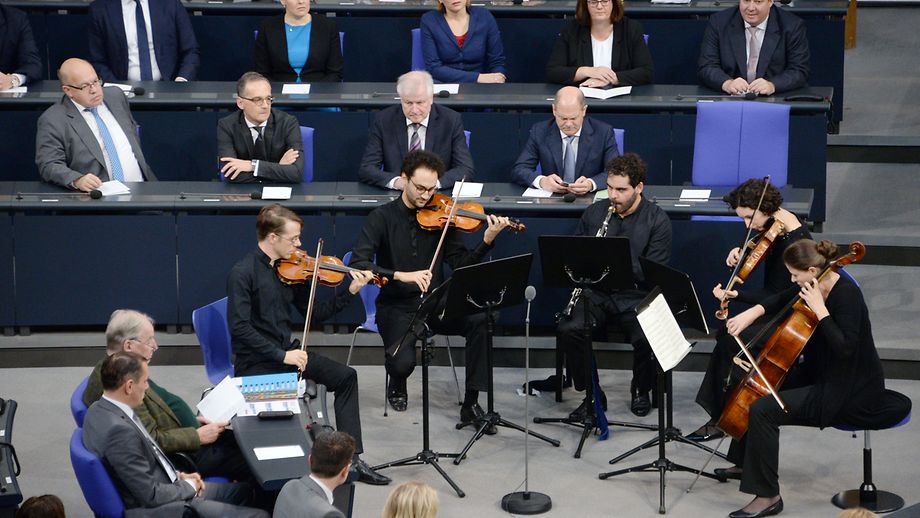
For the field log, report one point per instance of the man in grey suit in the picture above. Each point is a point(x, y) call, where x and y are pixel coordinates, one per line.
point(145, 478)
point(89, 137)
point(311, 495)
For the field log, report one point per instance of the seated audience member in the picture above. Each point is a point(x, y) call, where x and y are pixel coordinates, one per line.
point(311, 495)
point(141, 472)
point(571, 149)
point(600, 47)
point(165, 416)
point(756, 48)
point(411, 500)
point(299, 46)
point(258, 143)
point(89, 137)
point(45, 506)
point(461, 44)
point(145, 40)
point(20, 62)
point(417, 123)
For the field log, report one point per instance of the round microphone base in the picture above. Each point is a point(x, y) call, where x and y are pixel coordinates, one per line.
point(526, 502)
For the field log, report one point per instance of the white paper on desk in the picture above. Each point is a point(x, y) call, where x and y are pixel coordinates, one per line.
point(536, 193)
point(17, 90)
point(295, 88)
point(124, 88)
point(695, 194)
point(276, 193)
point(113, 188)
point(663, 333)
point(223, 402)
point(278, 452)
point(670, 1)
point(451, 88)
point(470, 190)
point(602, 93)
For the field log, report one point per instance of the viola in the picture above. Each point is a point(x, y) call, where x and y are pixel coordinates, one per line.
point(468, 216)
point(757, 249)
point(299, 267)
point(779, 353)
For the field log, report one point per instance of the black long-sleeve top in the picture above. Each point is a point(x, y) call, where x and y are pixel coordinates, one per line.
point(776, 276)
point(259, 313)
point(400, 244)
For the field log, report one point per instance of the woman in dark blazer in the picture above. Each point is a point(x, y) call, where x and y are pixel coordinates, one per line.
point(461, 44)
point(600, 47)
point(299, 46)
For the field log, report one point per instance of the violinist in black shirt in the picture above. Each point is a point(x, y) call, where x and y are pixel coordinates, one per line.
point(394, 245)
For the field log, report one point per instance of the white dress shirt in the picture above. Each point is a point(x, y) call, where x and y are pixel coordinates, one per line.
point(326, 490)
point(134, 61)
point(760, 34)
point(129, 165)
point(602, 51)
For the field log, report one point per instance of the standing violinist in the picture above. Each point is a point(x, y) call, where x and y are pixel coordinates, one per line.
point(844, 382)
point(393, 244)
point(259, 308)
point(758, 215)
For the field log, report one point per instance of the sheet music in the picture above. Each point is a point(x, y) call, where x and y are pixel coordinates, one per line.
point(663, 333)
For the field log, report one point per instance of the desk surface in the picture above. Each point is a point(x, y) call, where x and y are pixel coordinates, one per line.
point(510, 96)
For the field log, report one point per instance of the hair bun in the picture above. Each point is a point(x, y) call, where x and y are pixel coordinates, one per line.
point(828, 249)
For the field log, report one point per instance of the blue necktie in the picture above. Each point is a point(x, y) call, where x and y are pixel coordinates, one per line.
point(568, 161)
point(143, 47)
point(117, 173)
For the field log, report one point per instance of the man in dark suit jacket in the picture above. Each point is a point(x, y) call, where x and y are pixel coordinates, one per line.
point(70, 147)
point(311, 495)
point(592, 145)
point(170, 42)
point(145, 478)
point(416, 124)
point(782, 63)
point(19, 58)
point(259, 144)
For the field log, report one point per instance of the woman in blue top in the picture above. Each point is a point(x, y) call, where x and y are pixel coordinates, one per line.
point(299, 46)
point(461, 44)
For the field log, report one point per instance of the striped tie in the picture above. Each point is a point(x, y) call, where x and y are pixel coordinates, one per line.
point(415, 143)
point(753, 55)
point(117, 173)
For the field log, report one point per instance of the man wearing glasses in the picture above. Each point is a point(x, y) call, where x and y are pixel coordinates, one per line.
point(415, 124)
point(89, 137)
point(259, 144)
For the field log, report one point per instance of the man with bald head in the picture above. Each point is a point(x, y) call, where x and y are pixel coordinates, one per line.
point(89, 137)
point(416, 124)
point(566, 154)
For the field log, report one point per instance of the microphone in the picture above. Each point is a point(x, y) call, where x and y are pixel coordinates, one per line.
point(529, 293)
point(94, 194)
point(138, 90)
point(443, 94)
point(253, 195)
point(569, 197)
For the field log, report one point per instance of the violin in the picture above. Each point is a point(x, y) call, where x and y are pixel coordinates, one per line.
point(779, 353)
point(757, 249)
point(299, 267)
point(468, 216)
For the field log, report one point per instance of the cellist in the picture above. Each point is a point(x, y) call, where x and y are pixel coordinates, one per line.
point(841, 380)
point(759, 204)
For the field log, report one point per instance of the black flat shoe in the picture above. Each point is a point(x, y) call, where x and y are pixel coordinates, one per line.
point(769, 511)
point(367, 475)
point(641, 405)
point(580, 413)
point(707, 432)
point(474, 415)
point(723, 474)
point(398, 400)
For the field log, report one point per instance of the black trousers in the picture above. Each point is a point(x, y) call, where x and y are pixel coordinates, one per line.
point(394, 319)
point(223, 458)
point(570, 338)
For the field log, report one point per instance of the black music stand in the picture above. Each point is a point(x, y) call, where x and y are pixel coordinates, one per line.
point(419, 328)
point(487, 287)
point(587, 262)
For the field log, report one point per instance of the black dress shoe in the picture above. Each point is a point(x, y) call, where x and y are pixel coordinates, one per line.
point(581, 412)
point(367, 475)
point(723, 474)
point(641, 405)
point(398, 400)
point(474, 415)
point(769, 511)
point(707, 432)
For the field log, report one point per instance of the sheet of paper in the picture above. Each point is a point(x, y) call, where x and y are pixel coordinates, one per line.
point(276, 193)
point(695, 194)
point(536, 193)
point(295, 88)
point(124, 88)
point(451, 88)
point(17, 90)
point(223, 402)
point(470, 190)
point(278, 452)
point(113, 188)
point(670, 1)
point(663, 333)
point(600, 195)
point(601, 93)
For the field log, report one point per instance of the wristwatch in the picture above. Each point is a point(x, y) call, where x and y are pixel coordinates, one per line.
point(14, 81)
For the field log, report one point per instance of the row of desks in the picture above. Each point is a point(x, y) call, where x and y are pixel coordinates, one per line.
point(167, 247)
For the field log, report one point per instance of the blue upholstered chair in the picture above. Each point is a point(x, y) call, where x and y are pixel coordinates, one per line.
point(306, 134)
point(98, 490)
point(418, 60)
point(77, 408)
point(210, 323)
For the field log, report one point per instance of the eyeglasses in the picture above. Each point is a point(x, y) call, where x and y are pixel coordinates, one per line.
point(294, 240)
point(84, 86)
point(423, 190)
point(259, 100)
point(145, 341)
point(598, 3)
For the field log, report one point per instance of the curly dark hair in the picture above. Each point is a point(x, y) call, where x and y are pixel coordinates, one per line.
point(630, 165)
point(748, 194)
point(422, 158)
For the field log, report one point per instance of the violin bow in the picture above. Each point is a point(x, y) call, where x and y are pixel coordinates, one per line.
point(309, 315)
point(450, 216)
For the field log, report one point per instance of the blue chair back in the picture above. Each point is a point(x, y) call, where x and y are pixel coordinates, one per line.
point(306, 134)
point(77, 408)
point(418, 61)
point(738, 140)
point(619, 135)
point(368, 296)
point(844, 273)
point(342, 42)
point(213, 332)
point(98, 490)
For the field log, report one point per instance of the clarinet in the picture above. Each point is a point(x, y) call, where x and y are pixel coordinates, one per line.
point(601, 232)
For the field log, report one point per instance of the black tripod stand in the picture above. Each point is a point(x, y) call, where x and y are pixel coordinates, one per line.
point(421, 332)
point(484, 287)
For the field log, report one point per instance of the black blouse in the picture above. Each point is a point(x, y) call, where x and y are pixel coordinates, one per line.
point(631, 59)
